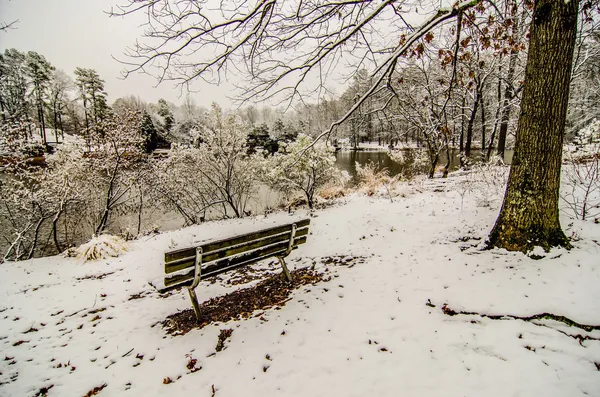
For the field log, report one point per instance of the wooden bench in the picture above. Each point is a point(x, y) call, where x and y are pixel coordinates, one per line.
point(185, 267)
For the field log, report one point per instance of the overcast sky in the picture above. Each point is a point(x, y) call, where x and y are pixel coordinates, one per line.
point(71, 33)
point(79, 33)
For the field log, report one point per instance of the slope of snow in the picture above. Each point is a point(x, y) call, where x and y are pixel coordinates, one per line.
point(368, 331)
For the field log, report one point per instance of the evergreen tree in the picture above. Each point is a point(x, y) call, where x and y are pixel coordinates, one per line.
point(93, 97)
point(14, 103)
point(149, 133)
point(39, 70)
point(165, 112)
point(258, 138)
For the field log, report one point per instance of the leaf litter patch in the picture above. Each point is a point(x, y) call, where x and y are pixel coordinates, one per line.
point(241, 304)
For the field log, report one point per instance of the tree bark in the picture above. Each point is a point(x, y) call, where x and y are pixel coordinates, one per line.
point(529, 214)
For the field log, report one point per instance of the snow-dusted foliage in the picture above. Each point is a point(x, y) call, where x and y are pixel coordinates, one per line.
point(485, 180)
point(590, 135)
point(215, 175)
point(580, 189)
point(178, 184)
point(303, 166)
point(580, 182)
point(16, 140)
point(100, 247)
point(416, 161)
point(76, 193)
point(114, 167)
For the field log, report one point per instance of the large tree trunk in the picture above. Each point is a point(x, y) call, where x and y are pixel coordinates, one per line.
point(529, 214)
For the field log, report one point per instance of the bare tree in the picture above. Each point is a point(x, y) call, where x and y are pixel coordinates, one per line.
point(5, 26)
point(60, 85)
point(276, 43)
point(279, 46)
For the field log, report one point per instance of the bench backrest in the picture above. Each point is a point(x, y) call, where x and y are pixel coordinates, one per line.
point(230, 253)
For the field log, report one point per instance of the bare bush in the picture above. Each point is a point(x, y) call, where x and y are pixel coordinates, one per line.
point(372, 179)
point(580, 189)
point(485, 180)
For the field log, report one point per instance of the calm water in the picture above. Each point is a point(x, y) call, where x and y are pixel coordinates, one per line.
point(346, 160)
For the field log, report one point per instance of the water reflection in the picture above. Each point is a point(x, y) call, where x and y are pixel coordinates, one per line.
point(346, 160)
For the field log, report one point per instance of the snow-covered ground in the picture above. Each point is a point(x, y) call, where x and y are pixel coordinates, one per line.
point(371, 330)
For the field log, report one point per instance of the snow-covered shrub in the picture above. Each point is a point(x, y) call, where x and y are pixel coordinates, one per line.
point(490, 180)
point(21, 213)
point(100, 247)
point(215, 175)
point(111, 169)
point(415, 161)
point(33, 203)
point(580, 189)
point(16, 141)
point(178, 185)
point(332, 191)
point(304, 166)
point(76, 194)
point(464, 187)
point(372, 179)
point(589, 135)
point(485, 180)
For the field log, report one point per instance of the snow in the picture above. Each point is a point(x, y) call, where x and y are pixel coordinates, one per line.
point(366, 332)
point(101, 247)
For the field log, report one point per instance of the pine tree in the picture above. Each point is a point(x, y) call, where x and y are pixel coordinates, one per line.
point(165, 112)
point(14, 103)
point(149, 133)
point(93, 97)
point(39, 70)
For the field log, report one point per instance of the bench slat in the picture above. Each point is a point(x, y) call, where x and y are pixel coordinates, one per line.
point(186, 262)
point(221, 266)
point(227, 242)
point(188, 281)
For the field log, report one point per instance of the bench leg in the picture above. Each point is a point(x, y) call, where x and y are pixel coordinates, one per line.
point(194, 300)
point(285, 269)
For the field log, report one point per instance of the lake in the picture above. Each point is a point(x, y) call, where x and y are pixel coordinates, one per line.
point(346, 160)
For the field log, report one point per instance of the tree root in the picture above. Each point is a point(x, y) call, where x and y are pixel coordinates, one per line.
point(541, 316)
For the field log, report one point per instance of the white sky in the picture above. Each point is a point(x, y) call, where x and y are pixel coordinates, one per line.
point(71, 33)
